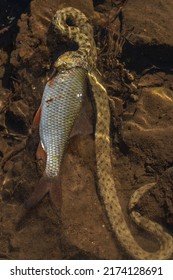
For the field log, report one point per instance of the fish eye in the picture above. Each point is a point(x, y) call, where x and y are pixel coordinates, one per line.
point(70, 21)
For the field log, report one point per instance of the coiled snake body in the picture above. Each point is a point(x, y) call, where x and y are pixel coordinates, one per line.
point(80, 31)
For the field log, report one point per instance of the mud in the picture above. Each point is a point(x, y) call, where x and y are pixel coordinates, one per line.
point(141, 128)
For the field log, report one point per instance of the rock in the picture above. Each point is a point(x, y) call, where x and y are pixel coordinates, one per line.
point(149, 24)
point(149, 169)
point(7, 190)
point(17, 168)
point(17, 116)
point(151, 80)
point(4, 99)
point(4, 244)
point(3, 60)
point(20, 192)
point(4, 148)
point(8, 166)
point(149, 129)
point(139, 172)
point(164, 195)
point(3, 57)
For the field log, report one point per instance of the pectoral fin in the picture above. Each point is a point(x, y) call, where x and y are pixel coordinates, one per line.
point(37, 117)
point(41, 154)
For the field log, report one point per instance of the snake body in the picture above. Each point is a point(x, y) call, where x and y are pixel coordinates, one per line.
point(80, 31)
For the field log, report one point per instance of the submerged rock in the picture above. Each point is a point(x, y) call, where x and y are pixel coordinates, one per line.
point(16, 118)
point(149, 23)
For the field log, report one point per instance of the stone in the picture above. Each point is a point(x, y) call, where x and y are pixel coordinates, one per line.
point(4, 99)
point(17, 117)
point(149, 24)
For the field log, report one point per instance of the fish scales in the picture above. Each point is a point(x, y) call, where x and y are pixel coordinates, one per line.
point(61, 104)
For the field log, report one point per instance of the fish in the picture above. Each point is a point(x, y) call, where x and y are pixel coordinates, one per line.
point(60, 108)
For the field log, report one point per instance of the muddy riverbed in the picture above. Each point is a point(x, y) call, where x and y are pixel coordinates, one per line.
point(138, 35)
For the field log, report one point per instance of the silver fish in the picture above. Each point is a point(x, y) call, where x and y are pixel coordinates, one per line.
point(60, 107)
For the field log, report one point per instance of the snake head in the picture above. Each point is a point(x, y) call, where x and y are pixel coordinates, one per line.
point(64, 22)
point(70, 21)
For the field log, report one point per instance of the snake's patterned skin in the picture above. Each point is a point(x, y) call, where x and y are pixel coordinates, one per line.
point(82, 33)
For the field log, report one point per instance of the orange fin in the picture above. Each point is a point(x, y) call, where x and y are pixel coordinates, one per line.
point(45, 185)
point(41, 154)
point(51, 81)
point(37, 117)
point(51, 78)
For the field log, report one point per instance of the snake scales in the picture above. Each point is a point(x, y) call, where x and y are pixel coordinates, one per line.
point(73, 25)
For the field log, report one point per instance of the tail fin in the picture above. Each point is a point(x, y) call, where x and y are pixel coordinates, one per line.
point(45, 185)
